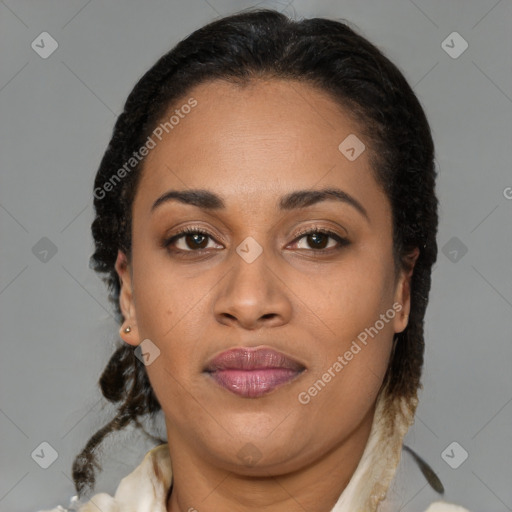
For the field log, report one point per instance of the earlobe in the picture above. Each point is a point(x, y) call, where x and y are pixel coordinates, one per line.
point(128, 330)
point(403, 292)
point(129, 334)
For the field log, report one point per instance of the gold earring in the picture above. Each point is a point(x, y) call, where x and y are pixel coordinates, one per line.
point(128, 329)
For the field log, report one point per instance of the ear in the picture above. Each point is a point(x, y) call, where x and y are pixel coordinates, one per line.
point(126, 301)
point(403, 291)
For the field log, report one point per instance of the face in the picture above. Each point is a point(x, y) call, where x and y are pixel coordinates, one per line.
point(313, 315)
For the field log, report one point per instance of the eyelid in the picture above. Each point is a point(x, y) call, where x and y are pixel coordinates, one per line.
point(317, 229)
point(194, 229)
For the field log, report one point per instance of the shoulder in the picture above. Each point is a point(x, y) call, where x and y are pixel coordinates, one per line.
point(146, 485)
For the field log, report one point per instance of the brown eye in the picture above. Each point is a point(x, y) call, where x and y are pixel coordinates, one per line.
point(318, 240)
point(188, 240)
point(195, 240)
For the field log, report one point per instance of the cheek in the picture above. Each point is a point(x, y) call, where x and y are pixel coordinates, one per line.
point(170, 311)
point(345, 380)
point(163, 298)
point(355, 306)
point(350, 298)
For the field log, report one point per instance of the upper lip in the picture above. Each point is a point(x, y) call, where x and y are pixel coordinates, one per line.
point(253, 358)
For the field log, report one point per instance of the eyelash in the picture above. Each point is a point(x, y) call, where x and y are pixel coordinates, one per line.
point(343, 242)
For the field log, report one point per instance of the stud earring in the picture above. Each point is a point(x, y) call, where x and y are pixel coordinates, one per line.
point(128, 329)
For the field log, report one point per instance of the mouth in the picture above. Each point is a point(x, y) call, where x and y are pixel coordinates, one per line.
point(253, 372)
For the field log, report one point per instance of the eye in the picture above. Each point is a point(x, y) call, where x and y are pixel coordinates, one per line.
point(191, 240)
point(318, 240)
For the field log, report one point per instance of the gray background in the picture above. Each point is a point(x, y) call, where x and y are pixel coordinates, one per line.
point(57, 326)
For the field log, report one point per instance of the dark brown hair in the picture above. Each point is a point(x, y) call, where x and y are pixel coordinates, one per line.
point(239, 48)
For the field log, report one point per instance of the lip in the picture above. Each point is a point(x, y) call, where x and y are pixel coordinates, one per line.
point(253, 372)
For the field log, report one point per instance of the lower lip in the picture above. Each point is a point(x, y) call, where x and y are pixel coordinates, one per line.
point(253, 383)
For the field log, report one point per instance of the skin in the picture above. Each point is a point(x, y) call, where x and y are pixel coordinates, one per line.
point(251, 146)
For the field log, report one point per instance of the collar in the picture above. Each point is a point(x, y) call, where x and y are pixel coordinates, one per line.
point(367, 488)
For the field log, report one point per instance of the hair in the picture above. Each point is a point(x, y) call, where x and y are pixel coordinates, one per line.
point(241, 48)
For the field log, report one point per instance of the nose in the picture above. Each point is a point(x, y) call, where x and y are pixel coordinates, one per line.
point(252, 295)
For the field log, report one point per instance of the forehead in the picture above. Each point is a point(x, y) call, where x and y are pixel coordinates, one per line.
point(256, 141)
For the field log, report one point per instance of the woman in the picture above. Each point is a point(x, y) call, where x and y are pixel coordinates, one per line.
point(266, 219)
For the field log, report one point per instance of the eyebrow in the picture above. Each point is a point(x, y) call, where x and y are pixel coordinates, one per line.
point(295, 200)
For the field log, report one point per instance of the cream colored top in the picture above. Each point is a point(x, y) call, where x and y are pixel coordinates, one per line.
point(145, 489)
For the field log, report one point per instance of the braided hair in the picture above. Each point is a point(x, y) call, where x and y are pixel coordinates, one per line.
point(238, 48)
